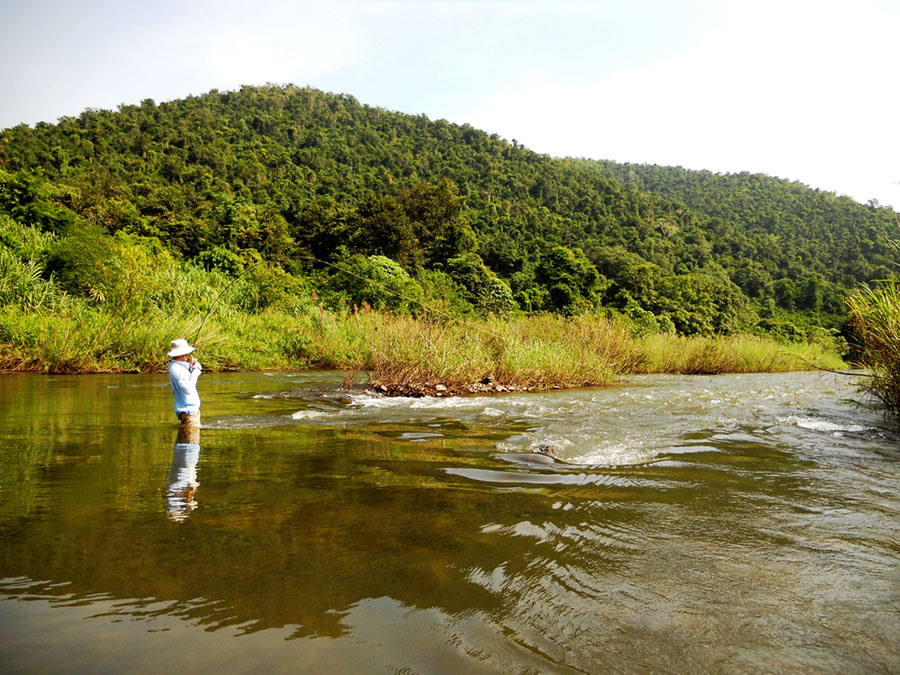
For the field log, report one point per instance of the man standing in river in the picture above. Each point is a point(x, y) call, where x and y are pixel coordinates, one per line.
point(184, 371)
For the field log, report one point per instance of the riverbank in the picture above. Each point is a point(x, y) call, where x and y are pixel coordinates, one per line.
point(401, 355)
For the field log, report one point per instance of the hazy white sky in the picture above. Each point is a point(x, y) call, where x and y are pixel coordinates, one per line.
point(800, 89)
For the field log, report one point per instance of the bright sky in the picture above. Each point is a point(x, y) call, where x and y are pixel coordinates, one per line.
point(800, 89)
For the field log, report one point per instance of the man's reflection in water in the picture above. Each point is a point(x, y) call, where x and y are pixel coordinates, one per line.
point(183, 472)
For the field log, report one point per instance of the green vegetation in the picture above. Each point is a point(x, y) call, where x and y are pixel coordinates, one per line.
point(794, 251)
point(307, 210)
point(732, 354)
point(876, 317)
point(290, 174)
point(819, 246)
point(493, 355)
point(549, 351)
point(118, 311)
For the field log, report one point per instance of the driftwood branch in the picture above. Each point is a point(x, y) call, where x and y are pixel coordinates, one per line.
point(829, 370)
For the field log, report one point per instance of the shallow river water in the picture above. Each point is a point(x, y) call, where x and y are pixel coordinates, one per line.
point(698, 524)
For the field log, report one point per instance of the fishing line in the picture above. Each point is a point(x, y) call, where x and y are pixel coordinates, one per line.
point(221, 293)
point(380, 285)
point(824, 370)
point(384, 287)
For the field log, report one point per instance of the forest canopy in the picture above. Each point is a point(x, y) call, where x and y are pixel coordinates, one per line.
point(311, 183)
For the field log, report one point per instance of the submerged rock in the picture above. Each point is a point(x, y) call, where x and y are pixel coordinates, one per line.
point(544, 449)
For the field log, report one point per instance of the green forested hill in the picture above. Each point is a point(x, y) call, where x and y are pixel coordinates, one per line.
point(291, 174)
point(791, 231)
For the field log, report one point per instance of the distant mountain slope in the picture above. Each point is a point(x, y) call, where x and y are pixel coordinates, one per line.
point(292, 172)
point(807, 230)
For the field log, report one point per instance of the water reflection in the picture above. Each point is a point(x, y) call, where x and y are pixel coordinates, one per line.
point(182, 492)
point(750, 525)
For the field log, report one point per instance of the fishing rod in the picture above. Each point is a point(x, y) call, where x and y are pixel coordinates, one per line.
point(221, 293)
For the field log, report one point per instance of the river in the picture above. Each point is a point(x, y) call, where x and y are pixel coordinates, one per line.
point(697, 524)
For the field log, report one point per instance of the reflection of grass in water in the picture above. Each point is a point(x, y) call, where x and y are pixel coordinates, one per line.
point(292, 524)
point(299, 527)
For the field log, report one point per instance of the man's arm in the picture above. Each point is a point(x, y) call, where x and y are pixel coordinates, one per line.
point(195, 370)
point(186, 378)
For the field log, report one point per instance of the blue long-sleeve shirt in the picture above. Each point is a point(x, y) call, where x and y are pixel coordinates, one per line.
point(183, 378)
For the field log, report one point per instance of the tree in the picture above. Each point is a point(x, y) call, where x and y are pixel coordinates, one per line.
point(630, 276)
point(570, 277)
point(380, 227)
point(700, 304)
point(809, 297)
point(435, 213)
point(485, 290)
point(27, 199)
point(376, 280)
point(785, 293)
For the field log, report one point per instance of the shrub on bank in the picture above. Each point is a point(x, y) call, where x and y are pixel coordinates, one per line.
point(876, 319)
point(529, 353)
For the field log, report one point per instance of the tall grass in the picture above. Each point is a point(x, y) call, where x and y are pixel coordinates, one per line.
point(405, 354)
point(268, 320)
point(876, 319)
point(400, 352)
point(539, 352)
point(665, 353)
point(409, 354)
point(21, 283)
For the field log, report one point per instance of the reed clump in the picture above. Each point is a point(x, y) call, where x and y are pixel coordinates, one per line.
point(876, 319)
point(667, 353)
point(543, 352)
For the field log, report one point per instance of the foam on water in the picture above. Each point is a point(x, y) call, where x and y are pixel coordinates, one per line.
point(818, 424)
point(615, 426)
point(243, 422)
point(488, 405)
point(617, 455)
point(492, 412)
point(309, 414)
point(584, 447)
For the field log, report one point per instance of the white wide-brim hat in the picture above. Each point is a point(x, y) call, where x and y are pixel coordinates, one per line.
point(180, 347)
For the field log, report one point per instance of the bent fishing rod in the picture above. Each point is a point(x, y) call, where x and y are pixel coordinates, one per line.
point(221, 293)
